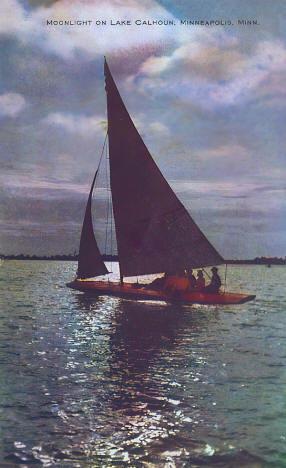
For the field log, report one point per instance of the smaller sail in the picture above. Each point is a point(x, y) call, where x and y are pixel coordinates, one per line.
point(90, 263)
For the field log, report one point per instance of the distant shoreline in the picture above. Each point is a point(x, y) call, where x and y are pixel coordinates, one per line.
point(72, 258)
point(114, 258)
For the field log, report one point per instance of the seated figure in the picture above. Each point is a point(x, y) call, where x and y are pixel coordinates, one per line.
point(192, 279)
point(200, 283)
point(215, 283)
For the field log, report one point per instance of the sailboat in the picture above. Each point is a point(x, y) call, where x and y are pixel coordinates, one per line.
point(154, 231)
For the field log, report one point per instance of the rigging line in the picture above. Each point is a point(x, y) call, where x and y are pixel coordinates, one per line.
point(98, 166)
point(209, 277)
point(102, 151)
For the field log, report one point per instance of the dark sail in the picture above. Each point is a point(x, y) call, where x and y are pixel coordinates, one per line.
point(154, 231)
point(90, 262)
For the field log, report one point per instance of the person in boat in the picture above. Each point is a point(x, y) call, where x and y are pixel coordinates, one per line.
point(200, 282)
point(192, 279)
point(215, 283)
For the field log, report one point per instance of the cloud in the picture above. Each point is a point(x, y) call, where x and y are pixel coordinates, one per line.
point(224, 151)
point(155, 65)
point(206, 55)
point(38, 186)
point(85, 126)
point(254, 195)
point(219, 188)
point(159, 128)
point(12, 17)
point(93, 40)
point(209, 67)
point(154, 127)
point(213, 73)
point(11, 104)
point(269, 57)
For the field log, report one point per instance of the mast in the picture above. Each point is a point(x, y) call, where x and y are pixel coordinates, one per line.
point(154, 231)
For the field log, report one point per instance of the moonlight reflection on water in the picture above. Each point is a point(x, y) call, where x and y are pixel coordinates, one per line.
point(104, 381)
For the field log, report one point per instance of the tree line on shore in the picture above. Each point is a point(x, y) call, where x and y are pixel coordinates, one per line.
point(260, 261)
point(73, 257)
point(106, 257)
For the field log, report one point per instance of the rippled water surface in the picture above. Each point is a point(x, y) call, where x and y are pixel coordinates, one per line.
point(102, 381)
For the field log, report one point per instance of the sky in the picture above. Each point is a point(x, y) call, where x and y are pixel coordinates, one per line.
point(208, 100)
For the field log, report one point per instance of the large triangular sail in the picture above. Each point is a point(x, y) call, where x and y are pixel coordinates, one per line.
point(90, 263)
point(154, 231)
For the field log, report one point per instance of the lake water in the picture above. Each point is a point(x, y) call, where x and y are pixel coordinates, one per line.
point(103, 382)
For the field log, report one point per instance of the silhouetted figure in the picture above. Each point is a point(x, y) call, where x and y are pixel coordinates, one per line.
point(215, 283)
point(200, 282)
point(192, 279)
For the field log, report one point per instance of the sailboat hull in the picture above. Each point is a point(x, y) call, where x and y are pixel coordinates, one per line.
point(131, 291)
